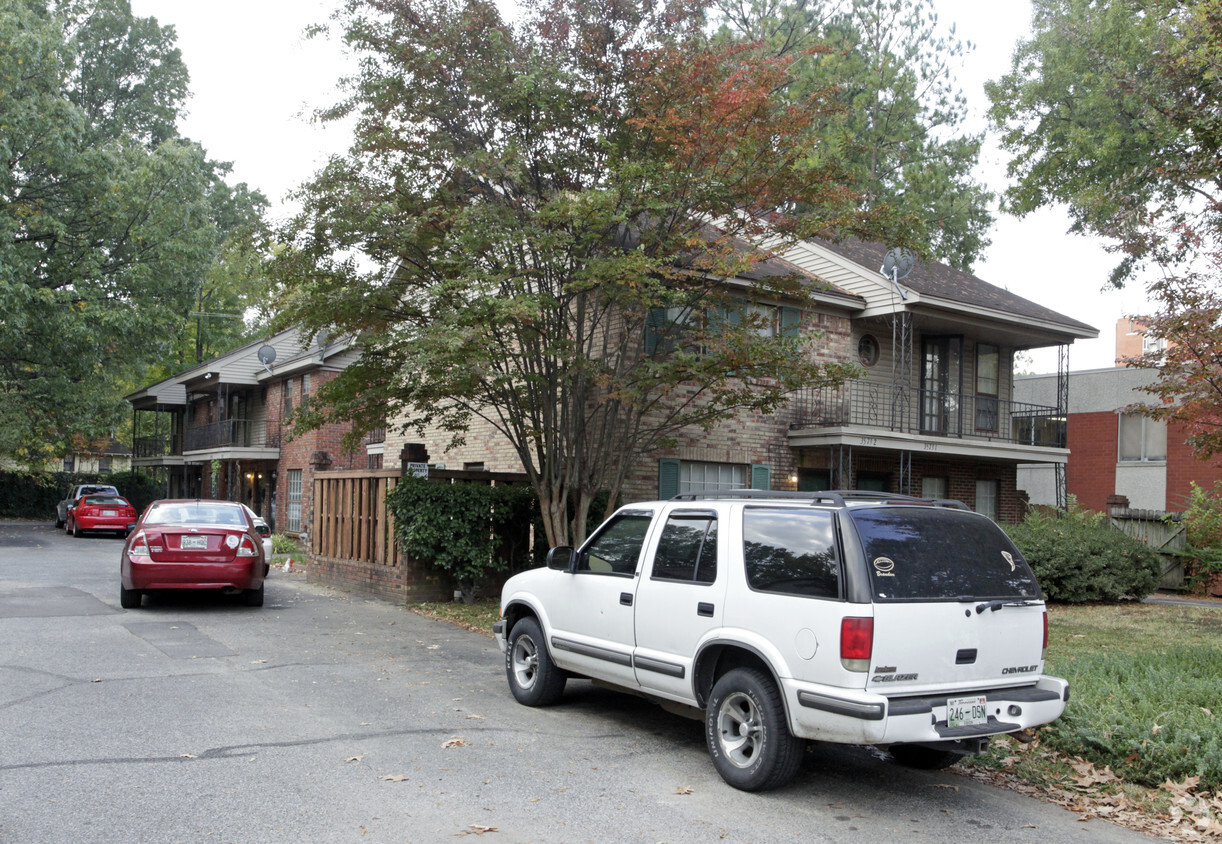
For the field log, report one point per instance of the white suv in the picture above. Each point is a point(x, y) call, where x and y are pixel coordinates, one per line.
point(848, 617)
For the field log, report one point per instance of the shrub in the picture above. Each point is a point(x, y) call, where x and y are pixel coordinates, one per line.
point(1078, 557)
point(1203, 535)
point(471, 531)
point(282, 543)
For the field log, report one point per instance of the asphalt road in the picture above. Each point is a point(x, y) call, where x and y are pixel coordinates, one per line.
point(327, 717)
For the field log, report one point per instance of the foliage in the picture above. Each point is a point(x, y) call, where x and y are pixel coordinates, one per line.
point(283, 544)
point(477, 616)
point(1078, 557)
point(472, 531)
point(900, 127)
point(1110, 108)
point(536, 201)
point(1188, 389)
point(108, 219)
point(1203, 533)
point(33, 495)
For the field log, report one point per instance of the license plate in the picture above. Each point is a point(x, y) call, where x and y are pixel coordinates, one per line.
point(194, 542)
point(109, 513)
point(967, 711)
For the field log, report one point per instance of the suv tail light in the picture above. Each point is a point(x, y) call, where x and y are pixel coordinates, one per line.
point(247, 548)
point(1045, 649)
point(856, 643)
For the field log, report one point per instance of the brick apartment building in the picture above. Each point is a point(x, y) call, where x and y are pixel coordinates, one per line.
point(220, 429)
point(934, 412)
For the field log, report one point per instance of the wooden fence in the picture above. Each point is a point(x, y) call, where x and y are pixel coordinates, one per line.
point(1163, 532)
point(352, 535)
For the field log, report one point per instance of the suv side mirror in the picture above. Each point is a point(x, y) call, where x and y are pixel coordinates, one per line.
point(560, 558)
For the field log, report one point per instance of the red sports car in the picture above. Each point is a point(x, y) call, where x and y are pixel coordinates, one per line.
point(100, 512)
point(193, 544)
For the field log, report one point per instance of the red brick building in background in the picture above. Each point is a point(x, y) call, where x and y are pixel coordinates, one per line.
point(1112, 451)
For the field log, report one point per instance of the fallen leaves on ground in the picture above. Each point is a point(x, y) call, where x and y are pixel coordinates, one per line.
point(1095, 792)
point(477, 829)
point(393, 778)
point(683, 789)
point(454, 742)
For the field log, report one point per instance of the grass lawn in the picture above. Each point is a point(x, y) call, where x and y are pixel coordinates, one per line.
point(1141, 740)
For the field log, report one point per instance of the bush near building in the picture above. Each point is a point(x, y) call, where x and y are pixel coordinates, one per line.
point(1079, 557)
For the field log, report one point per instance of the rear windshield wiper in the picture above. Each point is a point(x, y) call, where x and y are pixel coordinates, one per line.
point(996, 605)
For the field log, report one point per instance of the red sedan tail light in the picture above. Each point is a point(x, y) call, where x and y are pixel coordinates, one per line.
point(247, 548)
point(140, 545)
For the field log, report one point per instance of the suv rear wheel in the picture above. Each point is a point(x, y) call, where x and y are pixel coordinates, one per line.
point(747, 734)
point(533, 678)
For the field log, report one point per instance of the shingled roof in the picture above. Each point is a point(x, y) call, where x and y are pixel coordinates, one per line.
point(929, 278)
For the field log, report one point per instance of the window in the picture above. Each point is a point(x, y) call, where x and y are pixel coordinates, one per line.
point(791, 551)
point(930, 553)
point(687, 550)
point(706, 477)
point(986, 498)
point(104, 464)
point(1142, 438)
point(867, 350)
point(617, 547)
point(293, 506)
point(288, 397)
point(665, 327)
point(69, 463)
point(933, 487)
point(988, 367)
point(305, 385)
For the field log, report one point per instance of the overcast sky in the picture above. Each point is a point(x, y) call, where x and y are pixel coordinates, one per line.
point(255, 80)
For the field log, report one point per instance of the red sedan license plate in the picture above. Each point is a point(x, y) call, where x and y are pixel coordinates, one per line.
point(194, 542)
point(109, 513)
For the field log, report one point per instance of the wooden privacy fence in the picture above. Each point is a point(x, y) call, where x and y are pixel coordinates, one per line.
point(352, 535)
point(1163, 532)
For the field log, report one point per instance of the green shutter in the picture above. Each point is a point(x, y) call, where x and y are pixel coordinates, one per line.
point(791, 321)
point(761, 476)
point(668, 478)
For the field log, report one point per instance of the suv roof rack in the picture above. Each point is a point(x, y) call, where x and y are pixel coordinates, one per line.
point(834, 497)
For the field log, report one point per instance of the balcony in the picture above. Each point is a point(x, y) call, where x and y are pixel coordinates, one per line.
point(234, 434)
point(929, 413)
point(157, 445)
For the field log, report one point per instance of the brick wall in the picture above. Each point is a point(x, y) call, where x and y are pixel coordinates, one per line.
point(311, 452)
point(1090, 474)
point(1183, 468)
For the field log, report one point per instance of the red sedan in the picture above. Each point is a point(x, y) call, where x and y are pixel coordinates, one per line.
point(193, 544)
point(100, 512)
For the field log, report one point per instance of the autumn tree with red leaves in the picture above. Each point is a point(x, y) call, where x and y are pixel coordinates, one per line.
point(538, 220)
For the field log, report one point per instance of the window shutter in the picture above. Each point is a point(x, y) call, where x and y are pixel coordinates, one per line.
point(791, 321)
point(761, 476)
point(668, 478)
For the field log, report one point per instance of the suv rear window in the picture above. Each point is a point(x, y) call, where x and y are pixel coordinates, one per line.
point(931, 553)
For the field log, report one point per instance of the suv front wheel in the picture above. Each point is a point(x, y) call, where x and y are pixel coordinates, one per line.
point(533, 678)
point(747, 733)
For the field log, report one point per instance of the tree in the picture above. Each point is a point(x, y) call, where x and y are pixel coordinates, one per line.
point(1112, 109)
point(901, 125)
point(1188, 389)
point(107, 217)
point(537, 203)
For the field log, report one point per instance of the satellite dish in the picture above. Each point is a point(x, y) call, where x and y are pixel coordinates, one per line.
point(898, 263)
point(267, 355)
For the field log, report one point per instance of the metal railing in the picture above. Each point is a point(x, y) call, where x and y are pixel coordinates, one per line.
point(234, 433)
point(157, 445)
point(877, 404)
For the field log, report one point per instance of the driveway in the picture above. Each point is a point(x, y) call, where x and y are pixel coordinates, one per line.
point(327, 717)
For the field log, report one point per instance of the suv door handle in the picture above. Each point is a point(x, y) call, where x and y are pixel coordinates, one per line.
point(704, 608)
point(625, 598)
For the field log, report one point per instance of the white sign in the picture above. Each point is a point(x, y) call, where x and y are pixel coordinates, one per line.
point(418, 470)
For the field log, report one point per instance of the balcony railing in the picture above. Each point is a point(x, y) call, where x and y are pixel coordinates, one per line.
point(157, 445)
point(234, 433)
point(877, 404)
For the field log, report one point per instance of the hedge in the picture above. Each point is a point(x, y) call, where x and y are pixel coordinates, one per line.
point(33, 495)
